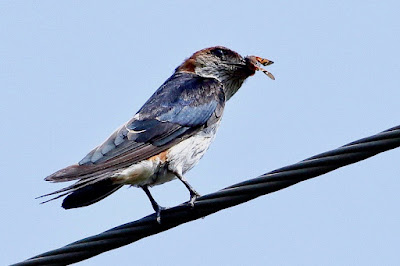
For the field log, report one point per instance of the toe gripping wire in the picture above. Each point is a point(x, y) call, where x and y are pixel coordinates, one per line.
point(225, 198)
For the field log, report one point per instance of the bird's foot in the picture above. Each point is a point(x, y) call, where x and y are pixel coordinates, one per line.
point(193, 196)
point(193, 193)
point(158, 210)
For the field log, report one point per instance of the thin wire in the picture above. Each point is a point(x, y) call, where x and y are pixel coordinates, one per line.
point(225, 198)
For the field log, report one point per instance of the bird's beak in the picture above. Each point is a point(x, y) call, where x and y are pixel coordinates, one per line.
point(256, 61)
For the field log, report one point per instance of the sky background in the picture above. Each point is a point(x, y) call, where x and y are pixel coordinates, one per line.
point(73, 71)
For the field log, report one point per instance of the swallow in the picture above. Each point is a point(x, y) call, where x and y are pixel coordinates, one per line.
point(167, 136)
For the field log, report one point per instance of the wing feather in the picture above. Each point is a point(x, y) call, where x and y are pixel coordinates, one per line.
point(182, 106)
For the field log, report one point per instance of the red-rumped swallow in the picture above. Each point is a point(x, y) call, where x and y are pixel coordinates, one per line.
point(167, 136)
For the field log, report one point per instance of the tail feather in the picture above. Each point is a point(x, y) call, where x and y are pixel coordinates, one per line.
point(90, 194)
point(72, 172)
point(90, 187)
point(77, 185)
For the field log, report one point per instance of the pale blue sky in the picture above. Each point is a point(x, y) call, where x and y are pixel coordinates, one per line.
point(73, 71)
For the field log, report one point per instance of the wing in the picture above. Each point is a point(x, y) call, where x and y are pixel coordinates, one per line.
point(185, 104)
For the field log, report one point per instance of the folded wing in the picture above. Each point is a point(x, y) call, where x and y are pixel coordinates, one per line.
point(181, 107)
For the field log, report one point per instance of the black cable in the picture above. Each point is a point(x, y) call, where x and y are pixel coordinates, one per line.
point(225, 198)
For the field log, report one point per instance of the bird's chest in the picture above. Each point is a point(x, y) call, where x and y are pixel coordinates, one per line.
point(177, 159)
point(186, 154)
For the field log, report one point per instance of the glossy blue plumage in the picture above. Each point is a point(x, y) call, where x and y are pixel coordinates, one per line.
point(166, 137)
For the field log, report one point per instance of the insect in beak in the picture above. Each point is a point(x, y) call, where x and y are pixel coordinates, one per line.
point(263, 61)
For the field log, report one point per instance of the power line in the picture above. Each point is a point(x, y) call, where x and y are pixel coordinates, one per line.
point(225, 198)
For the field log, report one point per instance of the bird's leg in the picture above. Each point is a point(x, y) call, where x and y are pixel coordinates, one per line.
point(193, 193)
point(157, 208)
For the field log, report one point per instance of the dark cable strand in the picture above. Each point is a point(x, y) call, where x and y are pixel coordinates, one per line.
point(225, 198)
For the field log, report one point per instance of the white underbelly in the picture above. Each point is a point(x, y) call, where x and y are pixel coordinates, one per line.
point(179, 158)
point(186, 154)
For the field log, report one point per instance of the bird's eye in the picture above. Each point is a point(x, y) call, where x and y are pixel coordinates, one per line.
point(218, 52)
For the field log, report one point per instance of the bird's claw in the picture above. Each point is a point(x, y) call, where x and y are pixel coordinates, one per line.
point(193, 196)
point(158, 213)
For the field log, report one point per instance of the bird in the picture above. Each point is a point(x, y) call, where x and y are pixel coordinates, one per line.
point(167, 136)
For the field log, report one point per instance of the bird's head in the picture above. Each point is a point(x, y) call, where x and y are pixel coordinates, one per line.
point(225, 65)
